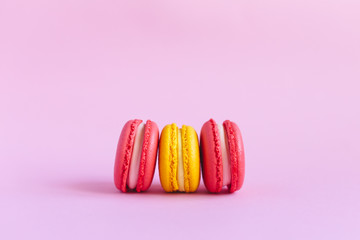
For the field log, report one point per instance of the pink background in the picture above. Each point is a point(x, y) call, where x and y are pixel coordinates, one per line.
point(73, 72)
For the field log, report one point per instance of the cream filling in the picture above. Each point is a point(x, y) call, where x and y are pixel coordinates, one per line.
point(180, 175)
point(225, 156)
point(135, 157)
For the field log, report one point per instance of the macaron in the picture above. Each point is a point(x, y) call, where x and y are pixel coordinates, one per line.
point(179, 159)
point(136, 156)
point(222, 156)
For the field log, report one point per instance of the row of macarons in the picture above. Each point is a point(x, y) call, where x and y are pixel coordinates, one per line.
point(220, 156)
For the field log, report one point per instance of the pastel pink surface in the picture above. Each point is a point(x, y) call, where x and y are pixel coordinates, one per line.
point(73, 72)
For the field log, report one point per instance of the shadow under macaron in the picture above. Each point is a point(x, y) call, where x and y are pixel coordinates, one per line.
point(107, 187)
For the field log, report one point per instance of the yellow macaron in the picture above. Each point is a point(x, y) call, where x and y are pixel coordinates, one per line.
point(179, 159)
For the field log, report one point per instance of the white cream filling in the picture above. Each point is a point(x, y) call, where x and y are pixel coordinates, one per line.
point(180, 175)
point(135, 157)
point(225, 156)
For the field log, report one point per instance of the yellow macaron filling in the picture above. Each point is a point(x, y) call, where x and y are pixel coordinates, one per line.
point(180, 169)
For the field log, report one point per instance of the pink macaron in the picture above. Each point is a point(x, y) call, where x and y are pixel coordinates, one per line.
point(222, 156)
point(136, 156)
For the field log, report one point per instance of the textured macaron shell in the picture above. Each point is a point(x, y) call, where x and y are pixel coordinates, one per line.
point(168, 158)
point(237, 155)
point(211, 156)
point(124, 153)
point(191, 158)
point(148, 156)
point(179, 148)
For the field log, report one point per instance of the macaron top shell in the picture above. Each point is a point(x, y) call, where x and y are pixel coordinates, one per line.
point(148, 156)
point(237, 156)
point(124, 154)
point(191, 158)
point(168, 158)
point(212, 167)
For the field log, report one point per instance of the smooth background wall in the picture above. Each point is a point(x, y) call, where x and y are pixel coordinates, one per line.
point(73, 72)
